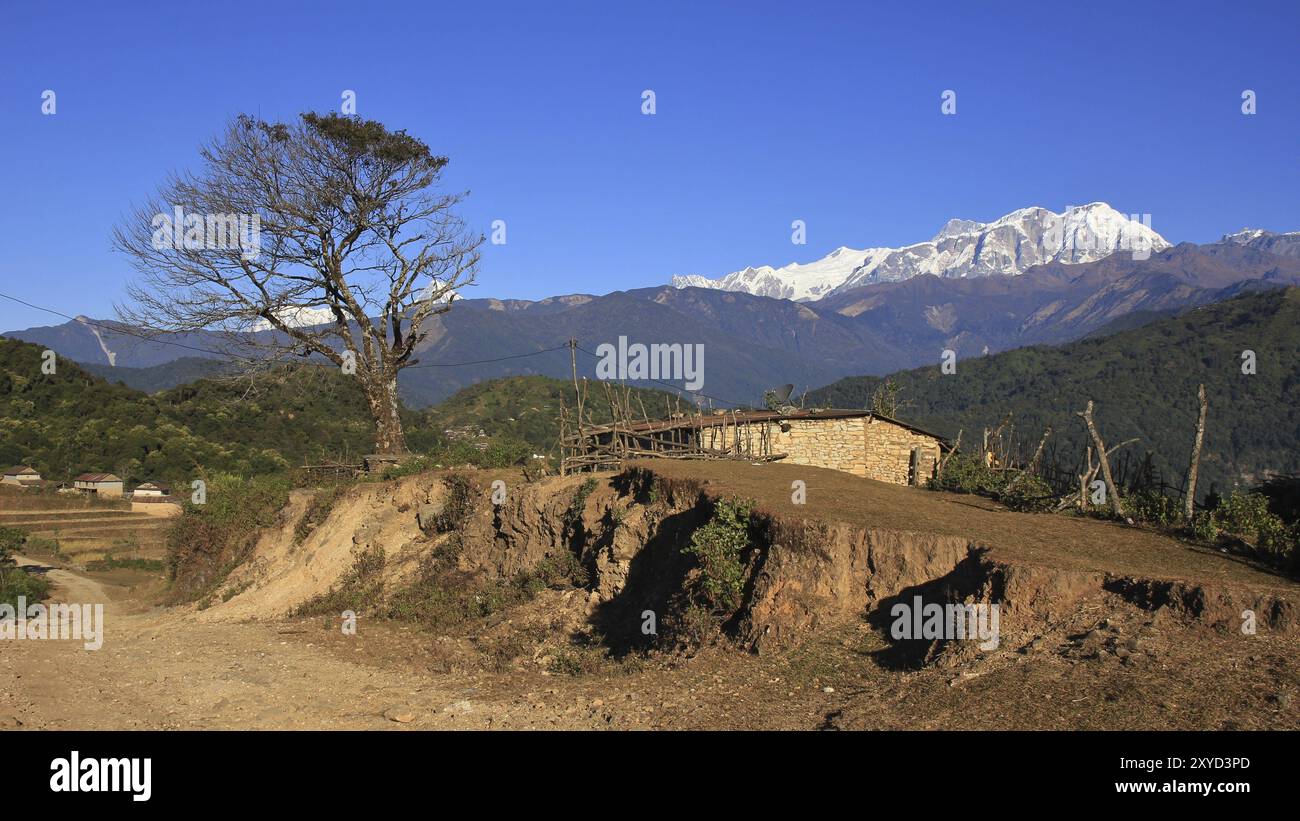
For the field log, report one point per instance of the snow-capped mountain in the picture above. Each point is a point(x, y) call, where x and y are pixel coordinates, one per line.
point(962, 248)
point(1285, 245)
point(306, 317)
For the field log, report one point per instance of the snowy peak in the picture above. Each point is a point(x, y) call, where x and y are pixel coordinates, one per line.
point(956, 227)
point(1007, 246)
point(1270, 242)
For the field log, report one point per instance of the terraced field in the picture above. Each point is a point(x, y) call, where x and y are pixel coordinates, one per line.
point(85, 534)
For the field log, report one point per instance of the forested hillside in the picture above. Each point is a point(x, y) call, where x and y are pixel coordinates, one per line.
point(528, 408)
point(1143, 382)
point(71, 422)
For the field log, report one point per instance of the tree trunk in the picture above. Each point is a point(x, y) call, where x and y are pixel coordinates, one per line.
point(1189, 504)
point(381, 395)
point(1115, 504)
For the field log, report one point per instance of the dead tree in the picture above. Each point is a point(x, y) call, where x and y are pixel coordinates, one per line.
point(1189, 503)
point(322, 237)
point(1116, 505)
point(1090, 473)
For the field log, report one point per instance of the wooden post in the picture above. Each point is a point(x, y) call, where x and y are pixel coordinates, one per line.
point(1189, 503)
point(943, 460)
point(573, 362)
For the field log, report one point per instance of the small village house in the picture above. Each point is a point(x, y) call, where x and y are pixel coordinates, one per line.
point(100, 484)
point(150, 490)
point(860, 442)
point(22, 476)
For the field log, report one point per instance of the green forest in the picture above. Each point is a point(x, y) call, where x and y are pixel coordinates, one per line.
point(1143, 382)
point(71, 422)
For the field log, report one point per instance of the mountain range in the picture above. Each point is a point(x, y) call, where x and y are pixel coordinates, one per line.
point(755, 342)
point(1008, 246)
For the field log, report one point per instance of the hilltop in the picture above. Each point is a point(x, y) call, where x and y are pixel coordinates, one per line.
point(527, 408)
point(1144, 383)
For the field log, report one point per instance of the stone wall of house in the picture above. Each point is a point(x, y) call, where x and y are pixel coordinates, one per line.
point(838, 444)
point(873, 448)
point(889, 452)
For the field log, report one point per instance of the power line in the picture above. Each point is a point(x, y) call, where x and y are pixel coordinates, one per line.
point(675, 387)
point(484, 361)
point(123, 331)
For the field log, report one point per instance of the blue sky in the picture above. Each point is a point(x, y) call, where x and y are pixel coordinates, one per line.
point(766, 113)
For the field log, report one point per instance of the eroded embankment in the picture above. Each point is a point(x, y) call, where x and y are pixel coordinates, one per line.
point(628, 532)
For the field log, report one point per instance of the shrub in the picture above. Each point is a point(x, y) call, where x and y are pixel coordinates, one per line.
point(719, 546)
point(967, 473)
point(573, 514)
point(16, 582)
point(1153, 507)
point(1247, 516)
point(1031, 494)
point(114, 563)
point(1204, 527)
point(11, 540)
point(207, 541)
point(459, 503)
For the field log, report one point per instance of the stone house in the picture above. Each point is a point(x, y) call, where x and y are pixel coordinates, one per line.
point(860, 442)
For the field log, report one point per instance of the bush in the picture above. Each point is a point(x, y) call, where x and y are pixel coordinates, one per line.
point(967, 473)
point(459, 504)
point(1243, 513)
point(113, 563)
point(1153, 507)
point(11, 540)
point(1247, 516)
point(1031, 495)
point(1204, 527)
point(720, 546)
point(208, 541)
point(15, 582)
point(573, 514)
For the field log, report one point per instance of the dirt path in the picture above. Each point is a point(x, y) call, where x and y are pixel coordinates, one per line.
point(164, 670)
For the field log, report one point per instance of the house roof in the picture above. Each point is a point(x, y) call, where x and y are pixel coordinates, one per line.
point(150, 486)
point(21, 470)
point(733, 417)
point(97, 477)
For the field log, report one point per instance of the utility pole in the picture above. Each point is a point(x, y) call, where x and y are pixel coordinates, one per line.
point(577, 392)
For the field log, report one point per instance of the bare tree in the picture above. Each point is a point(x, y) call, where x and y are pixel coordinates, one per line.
point(1116, 505)
point(1189, 503)
point(321, 237)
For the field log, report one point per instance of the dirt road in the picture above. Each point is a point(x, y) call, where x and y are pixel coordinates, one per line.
point(165, 670)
